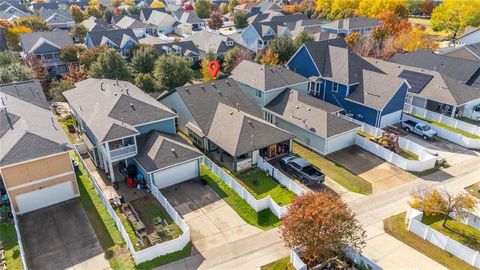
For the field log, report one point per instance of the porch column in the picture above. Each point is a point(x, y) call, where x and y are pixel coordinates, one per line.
point(454, 109)
point(234, 164)
point(104, 160)
point(112, 174)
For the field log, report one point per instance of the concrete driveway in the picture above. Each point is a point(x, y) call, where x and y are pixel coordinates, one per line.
point(211, 220)
point(61, 237)
point(380, 173)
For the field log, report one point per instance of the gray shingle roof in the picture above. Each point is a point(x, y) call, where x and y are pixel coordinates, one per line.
point(187, 48)
point(115, 35)
point(130, 22)
point(114, 112)
point(337, 62)
point(94, 24)
point(263, 77)
point(187, 16)
point(31, 40)
point(38, 6)
point(55, 16)
point(207, 41)
point(353, 23)
point(457, 68)
point(310, 113)
point(28, 129)
point(155, 151)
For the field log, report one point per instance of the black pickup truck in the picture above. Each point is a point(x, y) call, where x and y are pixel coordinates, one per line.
point(302, 169)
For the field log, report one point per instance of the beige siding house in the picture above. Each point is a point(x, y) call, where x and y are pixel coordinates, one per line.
point(35, 164)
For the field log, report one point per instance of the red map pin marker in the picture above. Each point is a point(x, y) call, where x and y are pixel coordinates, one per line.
point(214, 68)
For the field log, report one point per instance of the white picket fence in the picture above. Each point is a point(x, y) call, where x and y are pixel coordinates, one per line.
point(415, 225)
point(447, 134)
point(257, 205)
point(152, 252)
point(354, 255)
point(425, 160)
point(19, 240)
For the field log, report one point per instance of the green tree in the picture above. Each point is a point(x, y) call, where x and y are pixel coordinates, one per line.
point(240, 20)
point(143, 59)
point(203, 8)
point(283, 46)
point(70, 54)
point(145, 82)
point(110, 65)
point(414, 6)
point(172, 71)
point(7, 58)
point(232, 4)
point(77, 14)
point(57, 88)
point(455, 15)
point(79, 32)
point(224, 8)
point(303, 37)
point(89, 56)
point(35, 23)
point(15, 71)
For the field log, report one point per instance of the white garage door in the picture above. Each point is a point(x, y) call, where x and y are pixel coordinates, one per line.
point(175, 175)
point(44, 197)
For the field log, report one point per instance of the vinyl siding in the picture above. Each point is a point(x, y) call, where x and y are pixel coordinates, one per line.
point(303, 64)
point(167, 126)
point(174, 102)
point(314, 141)
point(397, 102)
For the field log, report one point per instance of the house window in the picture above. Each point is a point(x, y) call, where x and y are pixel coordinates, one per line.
point(335, 87)
point(269, 117)
point(195, 138)
point(258, 93)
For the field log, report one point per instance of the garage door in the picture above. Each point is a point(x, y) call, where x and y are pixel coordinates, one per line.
point(175, 175)
point(44, 197)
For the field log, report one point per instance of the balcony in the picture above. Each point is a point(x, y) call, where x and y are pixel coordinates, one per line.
point(123, 151)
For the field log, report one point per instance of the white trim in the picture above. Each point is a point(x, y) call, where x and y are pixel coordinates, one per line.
point(168, 167)
point(46, 179)
point(42, 41)
point(156, 121)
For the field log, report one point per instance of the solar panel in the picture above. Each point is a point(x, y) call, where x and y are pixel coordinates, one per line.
point(416, 80)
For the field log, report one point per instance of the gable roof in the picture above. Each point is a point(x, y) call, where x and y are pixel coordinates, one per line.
point(94, 24)
point(264, 77)
point(55, 16)
point(160, 18)
point(145, 13)
point(309, 113)
point(115, 111)
point(187, 48)
point(117, 36)
point(38, 6)
point(207, 41)
point(353, 23)
point(28, 129)
point(31, 41)
point(337, 62)
point(187, 16)
point(130, 22)
point(457, 68)
point(469, 30)
point(157, 150)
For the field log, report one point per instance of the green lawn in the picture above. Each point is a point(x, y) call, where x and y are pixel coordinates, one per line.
point(282, 264)
point(260, 185)
point(441, 35)
point(456, 230)
point(396, 227)
point(335, 171)
point(110, 238)
point(456, 130)
point(8, 236)
point(264, 219)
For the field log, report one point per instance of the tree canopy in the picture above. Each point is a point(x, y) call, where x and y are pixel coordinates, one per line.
point(110, 65)
point(143, 59)
point(203, 8)
point(34, 22)
point(11, 69)
point(455, 15)
point(283, 46)
point(240, 20)
point(172, 71)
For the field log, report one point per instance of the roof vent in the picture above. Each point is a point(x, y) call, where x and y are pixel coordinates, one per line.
point(202, 87)
point(133, 107)
point(309, 109)
point(126, 90)
point(116, 80)
point(101, 86)
point(231, 113)
point(115, 94)
point(213, 84)
point(173, 152)
point(297, 107)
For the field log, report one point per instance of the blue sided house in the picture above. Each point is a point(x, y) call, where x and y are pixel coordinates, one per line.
point(123, 127)
point(121, 40)
point(356, 84)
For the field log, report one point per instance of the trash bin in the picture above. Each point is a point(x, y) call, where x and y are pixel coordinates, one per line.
point(76, 167)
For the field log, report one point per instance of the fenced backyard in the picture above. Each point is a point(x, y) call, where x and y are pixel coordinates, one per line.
point(151, 252)
point(257, 204)
point(448, 128)
point(425, 160)
point(426, 232)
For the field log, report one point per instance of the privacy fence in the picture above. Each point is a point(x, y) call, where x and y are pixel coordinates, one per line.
point(415, 225)
point(19, 239)
point(152, 252)
point(425, 160)
point(449, 135)
point(257, 204)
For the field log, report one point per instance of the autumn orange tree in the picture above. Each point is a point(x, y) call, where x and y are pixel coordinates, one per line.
point(269, 58)
point(323, 225)
point(433, 202)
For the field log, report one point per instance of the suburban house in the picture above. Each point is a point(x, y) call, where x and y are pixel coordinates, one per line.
point(145, 13)
point(121, 40)
point(262, 83)
point(43, 6)
point(94, 24)
point(362, 25)
point(354, 83)
point(314, 122)
point(161, 21)
point(56, 18)
point(182, 48)
point(221, 120)
point(141, 29)
point(253, 8)
point(208, 41)
point(187, 22)
point(122, 125)
point(266, 6)
point(46, 46)
point(471, 35)
point(35, 163)
point(249, 8)
point(467, 52)
point(13, 8)
point(435, 91)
